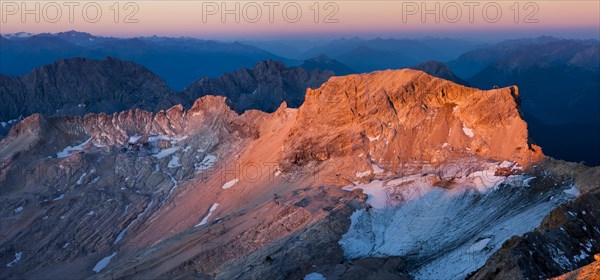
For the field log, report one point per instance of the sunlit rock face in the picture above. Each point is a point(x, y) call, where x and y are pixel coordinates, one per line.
point(445, 173)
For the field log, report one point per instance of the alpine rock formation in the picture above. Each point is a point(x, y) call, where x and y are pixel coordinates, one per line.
point(393, 174)
point(81, 85)
point(263, 87)
point(78, 86)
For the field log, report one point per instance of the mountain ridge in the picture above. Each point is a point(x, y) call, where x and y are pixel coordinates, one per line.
point(211, 190)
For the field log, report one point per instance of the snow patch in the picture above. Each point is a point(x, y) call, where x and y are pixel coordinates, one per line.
point(95, 180)
point(61, 196)
point(314, 276)
point(18, 209)
point(175, 185)
point(133, 139)
point(230, 184)
point(69, 149)
point(376, 193)
point(80, 180)
point(103, 263)
point(582, 256)
point(479, 245)
point(98, 145)
point(17, 259)
point(124, 231)
point(174, 162)
point(376, 169)
point(559, 257)
point(166, 152)
point(573, 191)
point(206, 163)
point(363, 174)
point(468, 131)
point(210, 211)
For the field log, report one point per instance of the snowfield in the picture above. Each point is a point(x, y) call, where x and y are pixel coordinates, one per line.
point(66, 152)
point(206, 163)
point(446, 233)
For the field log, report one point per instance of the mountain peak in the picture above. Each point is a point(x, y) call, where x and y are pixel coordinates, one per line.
point(81, 85)
point(401, 106)
point(269, 64)
point(440, 70)
point(324, 62)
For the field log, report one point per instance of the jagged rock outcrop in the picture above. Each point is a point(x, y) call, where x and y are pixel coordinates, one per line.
point(80, 85)
point(264, 87)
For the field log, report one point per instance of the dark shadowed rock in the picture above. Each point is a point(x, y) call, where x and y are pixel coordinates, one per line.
point(264, 87)
point(78, 86)
point(440, 70)
point(323, 62)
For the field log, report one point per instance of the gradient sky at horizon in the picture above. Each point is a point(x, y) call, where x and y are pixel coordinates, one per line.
point(577, 19)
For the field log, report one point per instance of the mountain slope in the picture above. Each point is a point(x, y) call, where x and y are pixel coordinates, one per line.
point(208, 193)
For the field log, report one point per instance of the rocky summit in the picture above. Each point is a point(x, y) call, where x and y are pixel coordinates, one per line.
point(81, 85)
point(387, 175)
point(264, 87)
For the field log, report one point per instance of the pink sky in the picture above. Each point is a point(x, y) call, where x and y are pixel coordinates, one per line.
point(346, 18)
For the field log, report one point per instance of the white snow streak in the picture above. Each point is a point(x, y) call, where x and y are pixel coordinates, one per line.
point(210, 211)
point(17, 259)
point(230, 184)
point(69, 149)
point(468, 131)
point(103, 263)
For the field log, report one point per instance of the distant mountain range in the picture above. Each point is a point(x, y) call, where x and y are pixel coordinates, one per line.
point(182, 60)
point(380, 54)
point(79, 86)
point(559, 82)
point(177, 60)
